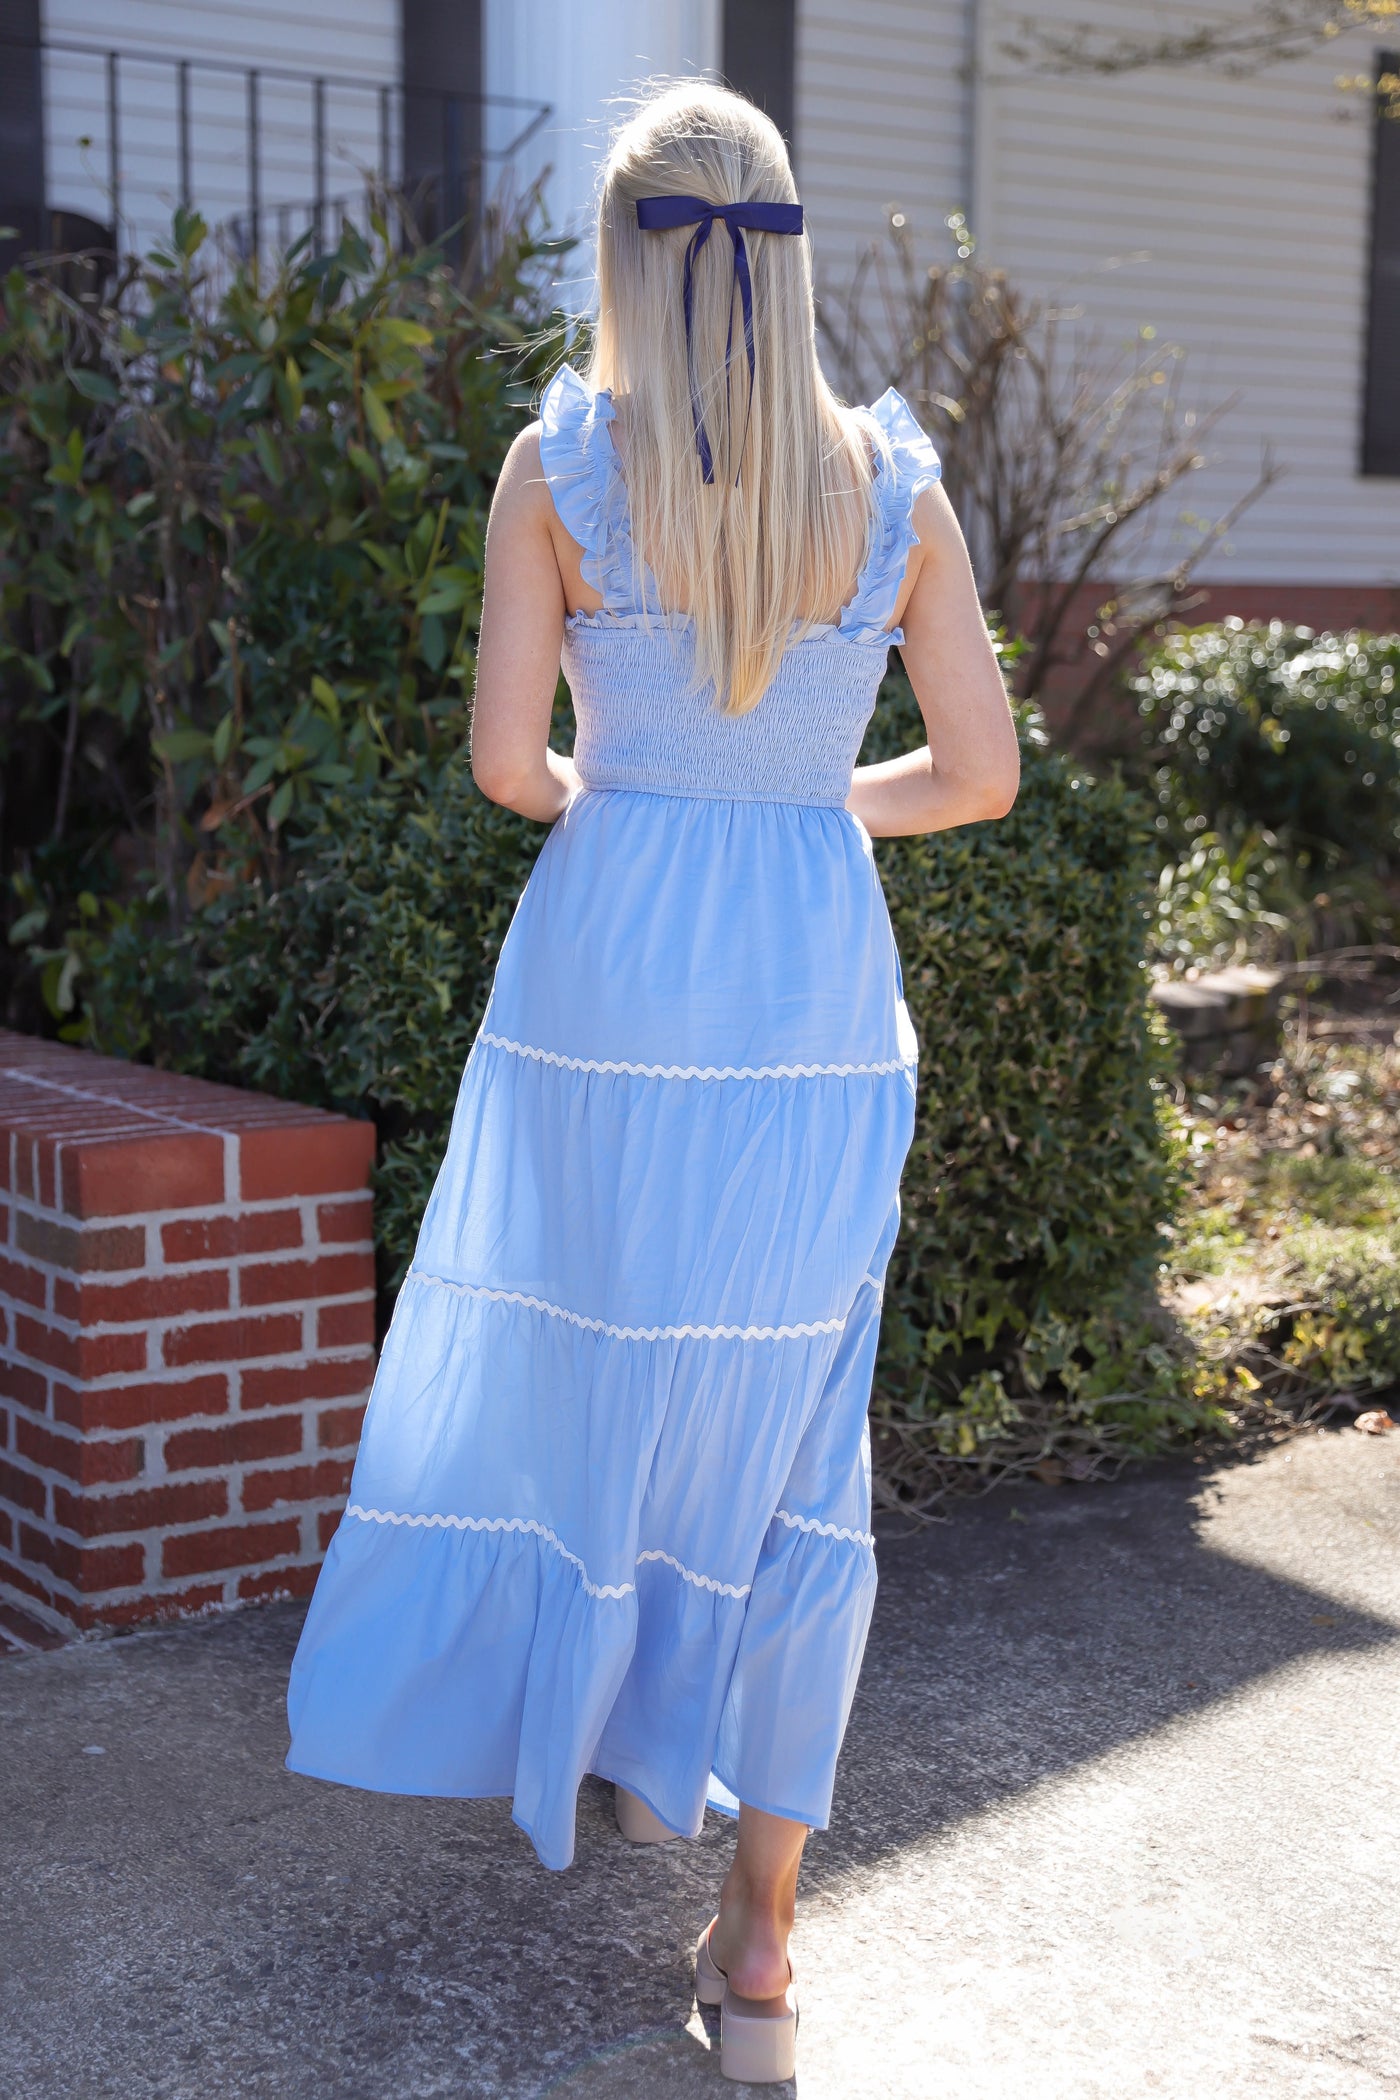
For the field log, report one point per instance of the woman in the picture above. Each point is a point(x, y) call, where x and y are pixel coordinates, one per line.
point(611, 1508)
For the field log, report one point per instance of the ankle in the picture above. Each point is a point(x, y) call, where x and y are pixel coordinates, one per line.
point(760, 1905)
point(749, 1940)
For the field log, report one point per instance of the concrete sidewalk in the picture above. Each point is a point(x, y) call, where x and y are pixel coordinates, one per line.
point(1119, 1817)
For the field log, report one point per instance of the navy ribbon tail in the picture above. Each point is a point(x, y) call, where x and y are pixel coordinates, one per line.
point(659, 214)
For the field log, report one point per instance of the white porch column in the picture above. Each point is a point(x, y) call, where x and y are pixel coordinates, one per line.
point(584, 61)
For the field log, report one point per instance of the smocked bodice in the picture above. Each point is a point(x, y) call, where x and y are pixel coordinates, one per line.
point(642, 724)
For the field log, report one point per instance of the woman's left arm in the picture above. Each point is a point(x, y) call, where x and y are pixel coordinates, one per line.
point(517, 661)
point(970, 768)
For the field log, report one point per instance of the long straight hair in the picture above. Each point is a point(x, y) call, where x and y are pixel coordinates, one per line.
point(758, 559)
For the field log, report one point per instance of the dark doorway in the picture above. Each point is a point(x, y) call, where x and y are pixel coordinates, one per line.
point(442, 102)
point(21, 129)
point(760, 56)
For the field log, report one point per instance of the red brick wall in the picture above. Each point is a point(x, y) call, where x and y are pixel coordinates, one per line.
point(186, 1336)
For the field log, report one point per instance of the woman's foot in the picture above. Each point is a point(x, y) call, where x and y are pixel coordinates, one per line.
point(748, 1944)
point(758, 2036)
point(743, 1959)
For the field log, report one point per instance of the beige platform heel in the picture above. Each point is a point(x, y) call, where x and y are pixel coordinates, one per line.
point(755, 2048)
point(637, 1822)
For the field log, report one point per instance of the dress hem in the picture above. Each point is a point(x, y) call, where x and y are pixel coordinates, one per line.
point(492, 1793)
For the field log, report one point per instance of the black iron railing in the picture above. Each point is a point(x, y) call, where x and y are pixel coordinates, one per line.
point(428, 145)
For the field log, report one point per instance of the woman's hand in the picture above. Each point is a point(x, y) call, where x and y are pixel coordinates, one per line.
point(970, 768)
point(522, 630)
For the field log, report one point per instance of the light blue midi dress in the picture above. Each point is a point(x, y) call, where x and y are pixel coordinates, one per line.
point(611, 1510)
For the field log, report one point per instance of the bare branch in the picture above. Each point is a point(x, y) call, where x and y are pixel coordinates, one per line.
point(1059, 453)
point(1274, 32)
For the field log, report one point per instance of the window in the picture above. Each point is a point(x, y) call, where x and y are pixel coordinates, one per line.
point(1380, 435)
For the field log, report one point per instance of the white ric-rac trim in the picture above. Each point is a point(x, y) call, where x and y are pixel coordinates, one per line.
point(826, 1531)
point(702, 1582)
point(550, 1538)
point(799, 1331)
point(607, 1064)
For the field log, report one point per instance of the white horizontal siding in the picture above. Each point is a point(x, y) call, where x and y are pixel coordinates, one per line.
point(1240, 211)
point(1232, 215)
point(354, 41)
point(341, 36)
point(880, 120)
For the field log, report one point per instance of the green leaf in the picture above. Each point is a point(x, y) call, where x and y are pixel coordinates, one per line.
point(190, 232)
point(179, 745)
point(377, 415)
point(295, 392)
point(281, 803)
point(29, 925)
point(223, 740)
point(268, 454)
point(394, 333)
point(58, 982)
point(94, 386)
point(432, 642)
point(261, 771)
point(326, 697)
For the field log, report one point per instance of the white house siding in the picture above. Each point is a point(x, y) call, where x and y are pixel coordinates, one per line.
point(354, 40)
point(881, 119)
point(1251, 201)
point(584, 61)
point(1231, 215)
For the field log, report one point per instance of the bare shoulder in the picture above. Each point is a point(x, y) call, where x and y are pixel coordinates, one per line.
point(522, 509)
point(934, 518)
point(521, 488)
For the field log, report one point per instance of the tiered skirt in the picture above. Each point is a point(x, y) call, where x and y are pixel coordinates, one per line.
point(612, 1504)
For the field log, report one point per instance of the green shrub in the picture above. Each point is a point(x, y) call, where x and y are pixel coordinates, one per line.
point(1218, 905)
point(1043, 1165)
point(241, 536)
point(1277, 730)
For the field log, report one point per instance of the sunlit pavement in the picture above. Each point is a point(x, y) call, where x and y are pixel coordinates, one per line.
point(1119, 1816)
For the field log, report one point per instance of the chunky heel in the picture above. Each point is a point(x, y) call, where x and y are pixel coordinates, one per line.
point(755, 2048)
point(637, 1822)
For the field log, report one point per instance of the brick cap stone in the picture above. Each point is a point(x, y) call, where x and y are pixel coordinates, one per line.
point(115, 1138)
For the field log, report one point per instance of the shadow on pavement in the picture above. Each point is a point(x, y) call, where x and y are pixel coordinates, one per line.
point(184, 1918)
point(1041, 1628)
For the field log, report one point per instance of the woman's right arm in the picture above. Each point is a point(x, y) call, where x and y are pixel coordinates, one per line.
point(970, 768)
point(517, 660)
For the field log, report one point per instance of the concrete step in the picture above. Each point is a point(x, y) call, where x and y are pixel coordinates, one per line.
point(1227, 1020)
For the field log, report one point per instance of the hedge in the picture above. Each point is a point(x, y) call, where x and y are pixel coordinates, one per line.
point(1277, 729)
point(241, 534)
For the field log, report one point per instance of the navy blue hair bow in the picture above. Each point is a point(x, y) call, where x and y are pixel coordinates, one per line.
point(660, 215)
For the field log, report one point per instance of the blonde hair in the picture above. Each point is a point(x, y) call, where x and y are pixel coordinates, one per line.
point(755, 561)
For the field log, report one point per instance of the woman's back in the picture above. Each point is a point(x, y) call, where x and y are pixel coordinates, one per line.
point(645, 720)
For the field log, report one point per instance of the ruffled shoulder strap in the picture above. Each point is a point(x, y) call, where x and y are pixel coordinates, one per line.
point(905, 464)
point(585, 479)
